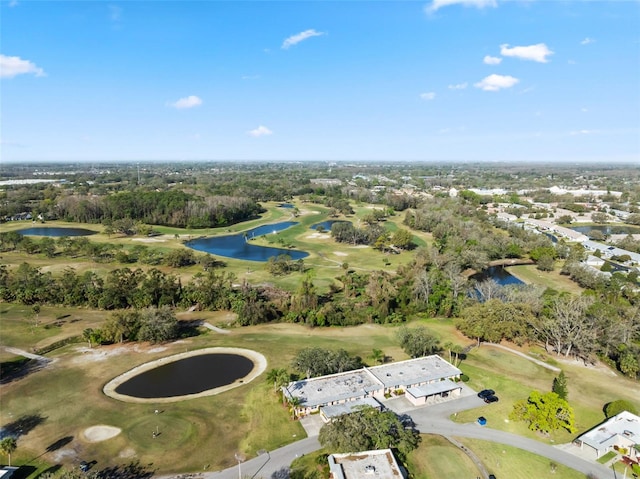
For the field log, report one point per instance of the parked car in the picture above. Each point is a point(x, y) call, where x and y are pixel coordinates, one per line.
point(492, 476)
point(490, 399)
point(486, 393)
point(84, 466)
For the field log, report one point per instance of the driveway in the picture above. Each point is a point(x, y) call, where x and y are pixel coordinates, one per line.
point(433, 419)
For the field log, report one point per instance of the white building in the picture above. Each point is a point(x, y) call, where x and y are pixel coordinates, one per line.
point(380, 464)
point(619, 432)
point(421, 380)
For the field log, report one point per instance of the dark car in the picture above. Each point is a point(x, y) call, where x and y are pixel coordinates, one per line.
point(84, 466)
point(486, 393)
point(490, 399)
point(492, 476)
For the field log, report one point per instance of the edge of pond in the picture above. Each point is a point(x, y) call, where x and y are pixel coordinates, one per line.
point(258, 360)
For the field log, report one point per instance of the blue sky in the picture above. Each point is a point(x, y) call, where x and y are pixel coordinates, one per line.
point(440, 80)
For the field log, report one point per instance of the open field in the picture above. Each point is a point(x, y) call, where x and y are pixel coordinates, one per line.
point(326, 257)
point(436, 457)
point(513, 463)
point(549, 279)
point(66, 397)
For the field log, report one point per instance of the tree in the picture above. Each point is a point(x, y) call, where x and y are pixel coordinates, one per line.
point(377, 356)
point(366, 429)
point(157, 325)
point(319, 362)
point(279, 377)
point(616, 407)
point(544, 412)
point(560, 386)
point(8, 446)
point(418, 342)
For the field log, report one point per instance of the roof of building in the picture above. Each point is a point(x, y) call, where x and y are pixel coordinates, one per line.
point(433, 388)
point(358, 383)
point(335, 387)
point(624, 425)
point(380, 464)
point(414, 371)
point(349, 407)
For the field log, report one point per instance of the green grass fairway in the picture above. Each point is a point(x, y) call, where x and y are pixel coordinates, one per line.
point(438, 458)
point(512, 463)
point(548, 279)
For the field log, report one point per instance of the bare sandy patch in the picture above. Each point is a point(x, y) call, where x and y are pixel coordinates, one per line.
point(100, 433)
point(150, 240)
point(127, 452)
point(103, 353)
point(319, 236)
point(340, 253)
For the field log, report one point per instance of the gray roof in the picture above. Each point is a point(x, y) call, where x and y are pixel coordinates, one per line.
point(434, 388)
point(380, 464)
point(622, 427)
point(414, 371)
point(349, 407)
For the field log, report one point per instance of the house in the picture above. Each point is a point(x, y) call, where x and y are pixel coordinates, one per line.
point(423, 380)
point(378, 464)
point(7, 471)
point(619, 432)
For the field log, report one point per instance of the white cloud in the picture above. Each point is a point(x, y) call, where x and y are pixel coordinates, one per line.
point(496, 82)
point(250, 77)
point(115, 13)
point(428, 96)
point(583, 132)
point(299, 37)
point(584, 110)
point(587, 41)
point(489, 60)
point(537, 53)
point(437, 4)
point(13, 3)
point(458, 86)
point(260, 131)
point(13, 66)
point(187, 102)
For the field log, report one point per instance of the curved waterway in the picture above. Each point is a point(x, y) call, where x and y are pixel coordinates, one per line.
point(187, 375)
point(55, 232)
point(238, 246)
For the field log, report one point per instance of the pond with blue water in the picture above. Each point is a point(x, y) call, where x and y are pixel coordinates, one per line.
point(326, 225)
point(238, 246)
point(499, 274)
point(55, 231)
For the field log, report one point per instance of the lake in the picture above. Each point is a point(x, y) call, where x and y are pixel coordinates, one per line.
point(55, 231)
point(238, 246)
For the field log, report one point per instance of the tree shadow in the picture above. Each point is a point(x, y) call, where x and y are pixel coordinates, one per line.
point(59, 443)
point(282, 473)
point(51, 470)
point(189, 328)
point(22, 426)
point(13, 370)
point(23, 472)
point(133, 470)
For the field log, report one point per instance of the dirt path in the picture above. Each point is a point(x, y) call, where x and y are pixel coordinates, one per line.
point(525, 356)
point(25, 354)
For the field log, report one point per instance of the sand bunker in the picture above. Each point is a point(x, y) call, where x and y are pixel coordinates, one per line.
point(100, 433)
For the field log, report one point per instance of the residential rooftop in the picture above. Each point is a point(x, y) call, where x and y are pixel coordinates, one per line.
point(380, 464)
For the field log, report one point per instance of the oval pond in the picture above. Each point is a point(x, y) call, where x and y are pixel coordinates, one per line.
point(499, 274)
point(187, 376)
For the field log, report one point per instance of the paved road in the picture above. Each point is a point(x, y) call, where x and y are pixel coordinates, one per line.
point(433, 420)
point(429, 420)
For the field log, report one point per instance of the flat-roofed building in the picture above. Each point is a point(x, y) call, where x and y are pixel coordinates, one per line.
point(620, 431)
point(375, 383)
point(379, 464)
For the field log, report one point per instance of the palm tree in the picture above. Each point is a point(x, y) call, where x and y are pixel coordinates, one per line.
point(294, 402)
point(279, 376)
point(7, 446)
point(377, 356)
